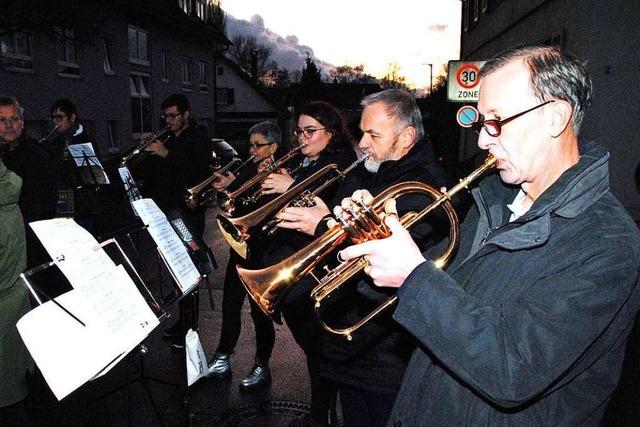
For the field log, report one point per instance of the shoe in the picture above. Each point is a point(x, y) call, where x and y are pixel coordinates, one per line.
point(259, 377)
point(173, 332)
point(220, 366)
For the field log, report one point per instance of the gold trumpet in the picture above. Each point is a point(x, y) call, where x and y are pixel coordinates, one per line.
point(236, 230)
point(200, 194)
point(138, 153)
point(227, 200)
point(269, 285)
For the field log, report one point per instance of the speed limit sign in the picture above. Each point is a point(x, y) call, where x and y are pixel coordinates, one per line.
point(463, 80)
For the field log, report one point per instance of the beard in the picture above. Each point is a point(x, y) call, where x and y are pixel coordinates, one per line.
point(372, 164)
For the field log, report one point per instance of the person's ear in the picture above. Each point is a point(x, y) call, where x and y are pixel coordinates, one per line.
point(561, 114)
point(273, 148)
point(186, 114)
point(407, 137)
point(73, 118)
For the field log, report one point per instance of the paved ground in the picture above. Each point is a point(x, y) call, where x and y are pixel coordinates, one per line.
point(216, 403)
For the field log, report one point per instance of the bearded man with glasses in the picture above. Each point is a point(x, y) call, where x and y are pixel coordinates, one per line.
point(528, 324)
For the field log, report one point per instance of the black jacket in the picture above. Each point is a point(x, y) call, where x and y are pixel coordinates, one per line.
point(528, 324)
point(376, 357)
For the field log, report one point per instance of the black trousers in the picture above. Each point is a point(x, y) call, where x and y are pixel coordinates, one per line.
point(300, 318)
point(232, 300)
point(365, 408)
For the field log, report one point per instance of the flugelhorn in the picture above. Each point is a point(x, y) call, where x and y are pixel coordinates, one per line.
point(236, 230)
point(269, 285)
point(138, 153)
point(200, 194)
point(227, 200)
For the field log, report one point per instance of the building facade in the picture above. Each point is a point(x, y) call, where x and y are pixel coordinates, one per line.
point(117, 74)
point(605, 35)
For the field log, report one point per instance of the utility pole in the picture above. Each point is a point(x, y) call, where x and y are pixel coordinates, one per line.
point(430, 78)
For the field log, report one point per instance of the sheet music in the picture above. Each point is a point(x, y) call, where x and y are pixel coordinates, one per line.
point(130, 186)
point(170, 245)
point(104, 298)
point(83, 154)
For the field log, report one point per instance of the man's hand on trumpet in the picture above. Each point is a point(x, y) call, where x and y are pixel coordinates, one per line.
point(304, 219)
point(157, 148)
point(390, 260)
point(223, 180)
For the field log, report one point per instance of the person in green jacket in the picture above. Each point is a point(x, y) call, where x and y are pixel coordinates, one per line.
point(14, 303)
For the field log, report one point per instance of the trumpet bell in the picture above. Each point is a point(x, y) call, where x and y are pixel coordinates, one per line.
point(233, 236)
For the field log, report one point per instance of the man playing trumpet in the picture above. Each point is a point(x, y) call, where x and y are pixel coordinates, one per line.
point(528, 324)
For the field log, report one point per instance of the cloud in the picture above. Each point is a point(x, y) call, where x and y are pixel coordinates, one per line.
point(437, 28)
point(286, 51)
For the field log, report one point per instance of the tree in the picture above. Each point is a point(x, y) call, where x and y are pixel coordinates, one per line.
point(311, 87)
point(394, 79)
point(244, 48)
point(349, 74)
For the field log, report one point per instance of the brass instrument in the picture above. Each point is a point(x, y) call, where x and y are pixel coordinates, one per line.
point(138, 153)
point(236, 230)
point(200, 194)
point(269, 285)
point(227, 200)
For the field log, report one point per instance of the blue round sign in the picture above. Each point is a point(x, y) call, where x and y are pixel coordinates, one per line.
point(467, 115)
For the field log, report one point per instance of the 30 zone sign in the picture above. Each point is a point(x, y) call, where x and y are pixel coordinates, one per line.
point(463, 81)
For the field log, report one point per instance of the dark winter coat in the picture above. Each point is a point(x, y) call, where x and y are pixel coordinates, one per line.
point(528, 325)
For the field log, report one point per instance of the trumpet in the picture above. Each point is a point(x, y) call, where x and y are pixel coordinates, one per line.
point(227, 200)
point(269, 285)
point(236, 230)
point(138, 153)
point(200, 194)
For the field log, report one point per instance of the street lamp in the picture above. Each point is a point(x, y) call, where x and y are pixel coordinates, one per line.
point(430, 77)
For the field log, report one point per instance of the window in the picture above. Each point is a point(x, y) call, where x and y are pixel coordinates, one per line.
point(204, 86)
point(185, 5)
point(107, 50)
point(112, 134)
point(164, 58)
point(221, 71)
point(140, 103)
point(138, 46)
point(186, 74)
point(67, 52)
point(16, 52)
point(225, 96)
point(200, 9)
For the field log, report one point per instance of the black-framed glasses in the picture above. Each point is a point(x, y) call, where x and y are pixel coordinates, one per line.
point(257, 146)
point(170, 115)
point(494, 126)
point(58, 116)
point(306, 132)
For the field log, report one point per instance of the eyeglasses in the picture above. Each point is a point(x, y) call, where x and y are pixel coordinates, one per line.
point(57, 116)
point(10, 121)
point(494, 126)
point(170, 115)
point(306, 132)
point(258, 146)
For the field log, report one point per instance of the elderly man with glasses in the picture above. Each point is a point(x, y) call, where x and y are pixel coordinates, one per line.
point(528, 324)
point(24, 156)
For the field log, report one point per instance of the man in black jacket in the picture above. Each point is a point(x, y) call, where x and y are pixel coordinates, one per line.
point(528, 324)
point(176, 164)
point(24, 156)
point(368, 369)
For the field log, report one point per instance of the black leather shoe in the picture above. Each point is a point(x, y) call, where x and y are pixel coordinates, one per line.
point(173, 332)
point(220, 366)
point(259, 377)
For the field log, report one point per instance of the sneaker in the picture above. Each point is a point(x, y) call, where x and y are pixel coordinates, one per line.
point(220, 366)
point(258, 377)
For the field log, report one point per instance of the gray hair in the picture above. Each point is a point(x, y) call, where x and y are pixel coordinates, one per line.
point(401, 106)
point(9, 101)
point(553, 74)
point(271, 131)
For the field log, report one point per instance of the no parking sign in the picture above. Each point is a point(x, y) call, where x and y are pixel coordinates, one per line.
point(463, 80)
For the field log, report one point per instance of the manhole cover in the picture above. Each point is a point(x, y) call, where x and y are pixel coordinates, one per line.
point(273, 413)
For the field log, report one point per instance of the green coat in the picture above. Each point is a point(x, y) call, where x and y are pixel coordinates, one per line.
point(14, 303)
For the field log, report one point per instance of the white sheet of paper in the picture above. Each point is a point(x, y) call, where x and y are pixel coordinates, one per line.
point(83, 154)
point(169, 244)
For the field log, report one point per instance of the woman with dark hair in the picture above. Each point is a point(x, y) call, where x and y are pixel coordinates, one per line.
point(323, 131)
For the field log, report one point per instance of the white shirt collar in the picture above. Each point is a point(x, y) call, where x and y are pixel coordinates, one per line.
point(518, 207)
